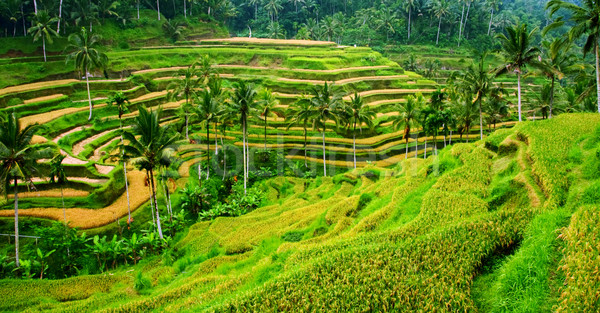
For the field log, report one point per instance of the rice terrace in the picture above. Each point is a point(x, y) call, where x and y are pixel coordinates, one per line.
point(300, 156)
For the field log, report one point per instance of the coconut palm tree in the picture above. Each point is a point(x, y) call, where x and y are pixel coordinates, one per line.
point(86, 56)
point(465, 113)
point(268, 107)
point(219, 94)
point(586, 18)
point(477, 81)
point(207, 111)
point(41, 29)
point(120, 101)
point(496, 107)
point(409, 6)
point(18, 160)
point(493, 6)
point(326, 101)
point(244, 104)
point(409, 111)
point(301, 112)
point(518, 52)
point(59, 177)
point(148, 143)
point(357, 114)
point(273, 7)
point(186, 86)
point(557, 61)
point(440, 8)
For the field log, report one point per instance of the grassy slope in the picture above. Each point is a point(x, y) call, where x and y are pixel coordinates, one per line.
point(474, 228)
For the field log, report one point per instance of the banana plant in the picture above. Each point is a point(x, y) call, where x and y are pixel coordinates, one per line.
point(42, 257)
point(100, 248)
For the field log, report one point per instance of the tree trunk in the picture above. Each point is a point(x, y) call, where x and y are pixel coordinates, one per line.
point(425, 152)
point(35, 7)
point(354, 144)
point(417, 145)
point(44, 46)
point(184, 8)
point(87, 81)
point(438, 33)
point(265, 132)
point(151, 200)
point(208, 149)
point(224, 158)
point(23, 19)
point(59, 16)
point(462, 16)
point(187, 134)
point(519, 94)
point(160, 234)
point(158, 11)
point(125, 175)
point(406, 154)
point(244, 148)
point(305, 139)
point(450, 140)
point(324, 161)
point(466, 19)
point(480, 120)
point(598, 74)
point(17, 261)
point(491, 17)
point(62, 197)
point(409, 11)
point(551, 97)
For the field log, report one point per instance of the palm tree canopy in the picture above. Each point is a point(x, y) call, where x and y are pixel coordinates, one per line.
point(244, 100)
point(409, 112)
point(85, 54)
point(326, 101)
point(477, 79)
point(208, 108)
point(18, 157)
point(586, 18)
point(41, 27)
point(120, 101)
point(517, 49)
point(268, 103)
point(152, 143)
point(301, 112)
point(57, 170)
point(357, 113)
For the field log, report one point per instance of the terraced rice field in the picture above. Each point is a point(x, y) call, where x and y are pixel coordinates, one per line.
point(289, 70)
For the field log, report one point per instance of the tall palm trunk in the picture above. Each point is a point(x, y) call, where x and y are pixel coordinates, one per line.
point(324, 161)
point(184, 9)
point(466, 19)
point(125, 173)
point(519, 94)
point(438, 33)
point(551, 98)
point(480, 120)
point(87, 82)
point(305, 139)
point(35, 6)
point(409, 11)
point(158, 11)
point(425, 152)
point(216, 140)
point(151, 200)
point(17, 261)
point(598, 74)
point(417, 145)
point(354, 144)
point(406, 153)
point(462, 16)
point(62, 197)
point(44, 46)
point(244, 148)
point(207, 148)
point(160, 234)
point(491, 17)
point(224, 158)
point(59, 16)
point(265, 132)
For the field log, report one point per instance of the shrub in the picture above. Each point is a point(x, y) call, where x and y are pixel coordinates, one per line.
point(141, 283)
point(293, 236)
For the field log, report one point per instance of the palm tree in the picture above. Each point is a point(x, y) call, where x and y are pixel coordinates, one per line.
point(186, 86)
point(148, 144)
point(301, 112)
point(120, 101)
point(219, 94)
point(273, 7)
point(466, 113)
point(477, 80)
point(386, 21)
point(493, 5)
point(86, 56)
point(556, 63)
point(12, 11)
point(409, 111)
point(358, 114)
point(207, 110)
point(244, 104)
point(59, 177)
point(542, 100)
point(326, 101)
point(409, 6)
point(440, 8)
point(518, 52)
point(496, 107)
point(587, 22)
point(275, 31)
point(18, 160)
point(268, 103)
point(42, 29)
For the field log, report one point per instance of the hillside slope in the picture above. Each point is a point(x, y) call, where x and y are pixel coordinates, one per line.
point(471, 229)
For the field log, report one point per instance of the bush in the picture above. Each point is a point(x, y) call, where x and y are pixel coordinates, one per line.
point(293, 236)
point(141, 283)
